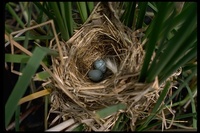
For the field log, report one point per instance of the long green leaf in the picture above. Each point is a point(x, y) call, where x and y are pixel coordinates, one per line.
point(193, 106)
point(42, 76)
point(183, 116)
point(166, 23)
point(172, 23)
point(17, 118)
point(153, 6)
point(68, 19)
point(150, 27)
point(8, 29)
point(194, 72)
point(188, 44)
point(118, 122)
point(16, 58)
point(174, 44)
point(80, 127)
point(63, 12)
point(42, 8)
point(166, 26)
point(59, 20)
point(15, 15)
point(26, 41)
point(150, 46)
point(128, 16)
point(23, 81)
point(173, 67)
point(82, 10)
point(27, 34)
point(121, 123)
point(46, 111)
point(152, 125)
point(142, 10)
point(182, 54)
point(31, 37)
point(180, 18)
point(90, 6)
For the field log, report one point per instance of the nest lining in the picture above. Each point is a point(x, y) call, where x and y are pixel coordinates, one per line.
point(102, 38)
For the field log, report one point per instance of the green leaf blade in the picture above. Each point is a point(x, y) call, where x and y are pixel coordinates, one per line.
point(174, 45)
point(16, 58)
point(23, 82)
point(109, 110)
point(82, 10)
point(142, 10)
point(59, 20)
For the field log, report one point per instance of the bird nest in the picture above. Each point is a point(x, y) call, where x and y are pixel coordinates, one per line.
point(75, 96)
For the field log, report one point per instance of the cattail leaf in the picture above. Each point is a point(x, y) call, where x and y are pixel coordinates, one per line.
point(42, 76)
point(109, 110)
point(16, 58)
point(82, 10)
point(15, 15)
point(23, 81)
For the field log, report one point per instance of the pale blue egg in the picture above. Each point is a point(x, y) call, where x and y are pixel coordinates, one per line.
point(100, 65)
point(95, 75)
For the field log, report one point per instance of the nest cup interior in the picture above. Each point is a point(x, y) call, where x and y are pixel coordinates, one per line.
point(100, 39)
point(100, 47)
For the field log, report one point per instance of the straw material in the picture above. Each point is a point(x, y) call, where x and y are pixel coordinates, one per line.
point(76, 96)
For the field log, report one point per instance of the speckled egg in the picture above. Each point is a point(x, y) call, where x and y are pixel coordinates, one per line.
point(100, 65)
point(95, 75)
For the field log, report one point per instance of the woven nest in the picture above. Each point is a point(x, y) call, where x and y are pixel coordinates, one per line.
point(76, 96)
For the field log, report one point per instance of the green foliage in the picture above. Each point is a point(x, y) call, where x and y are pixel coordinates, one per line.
point(82, 7)
point(16, 58)
point(167, 57)
point(23, 81)
point(121, 123)
point(19, 21)
point(59, 19)
point(128, 16)
point(79, 128)
point(142, 10)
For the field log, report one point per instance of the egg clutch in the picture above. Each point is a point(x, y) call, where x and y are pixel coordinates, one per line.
point(97, 73)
